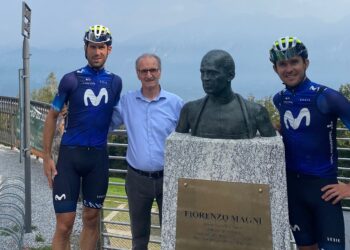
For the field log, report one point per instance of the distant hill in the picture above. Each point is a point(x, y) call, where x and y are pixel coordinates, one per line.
point(181, 48)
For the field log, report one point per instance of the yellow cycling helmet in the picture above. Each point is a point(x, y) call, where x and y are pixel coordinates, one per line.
point(98, 34)
point(286, 48)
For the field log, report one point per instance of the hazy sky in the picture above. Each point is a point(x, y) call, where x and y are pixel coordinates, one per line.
point(61, 23)
point(182, 31)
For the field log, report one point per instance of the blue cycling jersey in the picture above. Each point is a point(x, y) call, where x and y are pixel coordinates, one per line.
point(308, 115)
point(91, 95)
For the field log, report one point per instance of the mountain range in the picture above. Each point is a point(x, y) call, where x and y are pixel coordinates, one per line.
point(182, 47)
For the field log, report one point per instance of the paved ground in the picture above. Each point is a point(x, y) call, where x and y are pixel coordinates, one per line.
point(43, 216)
point(43, 220)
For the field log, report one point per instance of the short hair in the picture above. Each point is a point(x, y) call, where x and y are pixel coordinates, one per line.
point(222, 59)
point(148, 55)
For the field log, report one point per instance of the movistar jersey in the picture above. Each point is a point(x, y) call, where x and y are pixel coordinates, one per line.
point(91, 95)
point(308, 115)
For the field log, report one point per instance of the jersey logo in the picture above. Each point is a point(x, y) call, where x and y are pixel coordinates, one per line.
point(58, 198)
point(295, 228)
point(314, 88)
point(332, 239)
point(95, 100)
point(92, 205)
point(80, 71)
point(289, 119)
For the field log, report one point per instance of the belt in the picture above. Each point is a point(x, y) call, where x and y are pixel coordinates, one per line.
point(154, 174)
point(84, 147)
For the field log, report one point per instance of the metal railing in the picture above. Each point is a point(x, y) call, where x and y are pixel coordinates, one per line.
point(115, 223)
point(8, 113)
point(11, 212)
point(10, 126)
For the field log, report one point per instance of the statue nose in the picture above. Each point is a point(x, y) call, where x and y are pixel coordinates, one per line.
point(205, 76)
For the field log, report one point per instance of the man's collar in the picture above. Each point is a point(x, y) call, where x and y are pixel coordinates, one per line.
point(300, 86)
point(94, 70)
point(161, 95)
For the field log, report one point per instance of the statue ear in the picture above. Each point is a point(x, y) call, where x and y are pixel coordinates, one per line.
point(231, 75)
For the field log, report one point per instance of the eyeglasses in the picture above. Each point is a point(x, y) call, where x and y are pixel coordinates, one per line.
point(145, 71)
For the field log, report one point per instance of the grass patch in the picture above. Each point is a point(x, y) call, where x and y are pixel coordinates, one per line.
point(8, 231)
point(116, 189)
point(42, 248)
point(39, 238)
point(111, 202)
point(4, 233)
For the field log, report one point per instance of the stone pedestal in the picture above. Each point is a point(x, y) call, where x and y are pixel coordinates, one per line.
point(259, 160)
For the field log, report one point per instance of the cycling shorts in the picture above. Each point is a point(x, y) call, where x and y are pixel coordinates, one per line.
point(80, 166)
point(313, 220)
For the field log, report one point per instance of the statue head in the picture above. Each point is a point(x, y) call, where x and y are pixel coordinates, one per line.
point(217, 71)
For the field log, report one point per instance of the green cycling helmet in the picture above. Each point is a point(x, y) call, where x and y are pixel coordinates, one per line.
point(98, 34)
point(286, 48)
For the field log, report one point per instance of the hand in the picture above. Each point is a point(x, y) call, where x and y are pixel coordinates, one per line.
point(49, 170)
point(277, 126)
point(336, 191)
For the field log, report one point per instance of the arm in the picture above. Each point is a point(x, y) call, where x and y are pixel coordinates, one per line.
point(336, 192)
point(117, 118)
point(334, 103)
point(48, 133)
point(68, 83)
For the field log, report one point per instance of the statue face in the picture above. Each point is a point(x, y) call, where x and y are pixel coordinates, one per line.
point(214, 78)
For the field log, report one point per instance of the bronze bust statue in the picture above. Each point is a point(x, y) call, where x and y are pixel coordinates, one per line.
point(222, 113)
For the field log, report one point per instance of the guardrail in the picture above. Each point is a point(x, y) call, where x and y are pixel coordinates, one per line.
point(11, 212)
point(115, 224)
point(10, 126)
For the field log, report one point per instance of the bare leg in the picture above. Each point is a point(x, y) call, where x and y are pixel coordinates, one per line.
point(90, 232)
point(64, 225)
point(312, 247)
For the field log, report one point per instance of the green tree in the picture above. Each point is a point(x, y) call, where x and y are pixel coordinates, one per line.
point(344, 143)
point(114, 150)
point(343, 134)
point(345, 90)
point(48, 91)
point(273, 112)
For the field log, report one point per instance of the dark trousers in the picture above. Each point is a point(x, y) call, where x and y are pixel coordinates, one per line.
point(141, 191)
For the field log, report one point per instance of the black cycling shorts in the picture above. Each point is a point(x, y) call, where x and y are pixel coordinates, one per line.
point(80, 165)
point(313, 220)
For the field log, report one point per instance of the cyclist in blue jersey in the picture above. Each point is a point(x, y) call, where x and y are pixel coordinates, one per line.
point(308, 116)
point(90, 93)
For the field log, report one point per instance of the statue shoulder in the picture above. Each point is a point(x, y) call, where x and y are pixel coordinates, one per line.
point(253, 106)
point(194, 105)
point(188, 115)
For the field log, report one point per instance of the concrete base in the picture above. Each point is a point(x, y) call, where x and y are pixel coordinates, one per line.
point(259, 160)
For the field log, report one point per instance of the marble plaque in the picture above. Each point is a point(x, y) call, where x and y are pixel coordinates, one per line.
point(223, 215)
